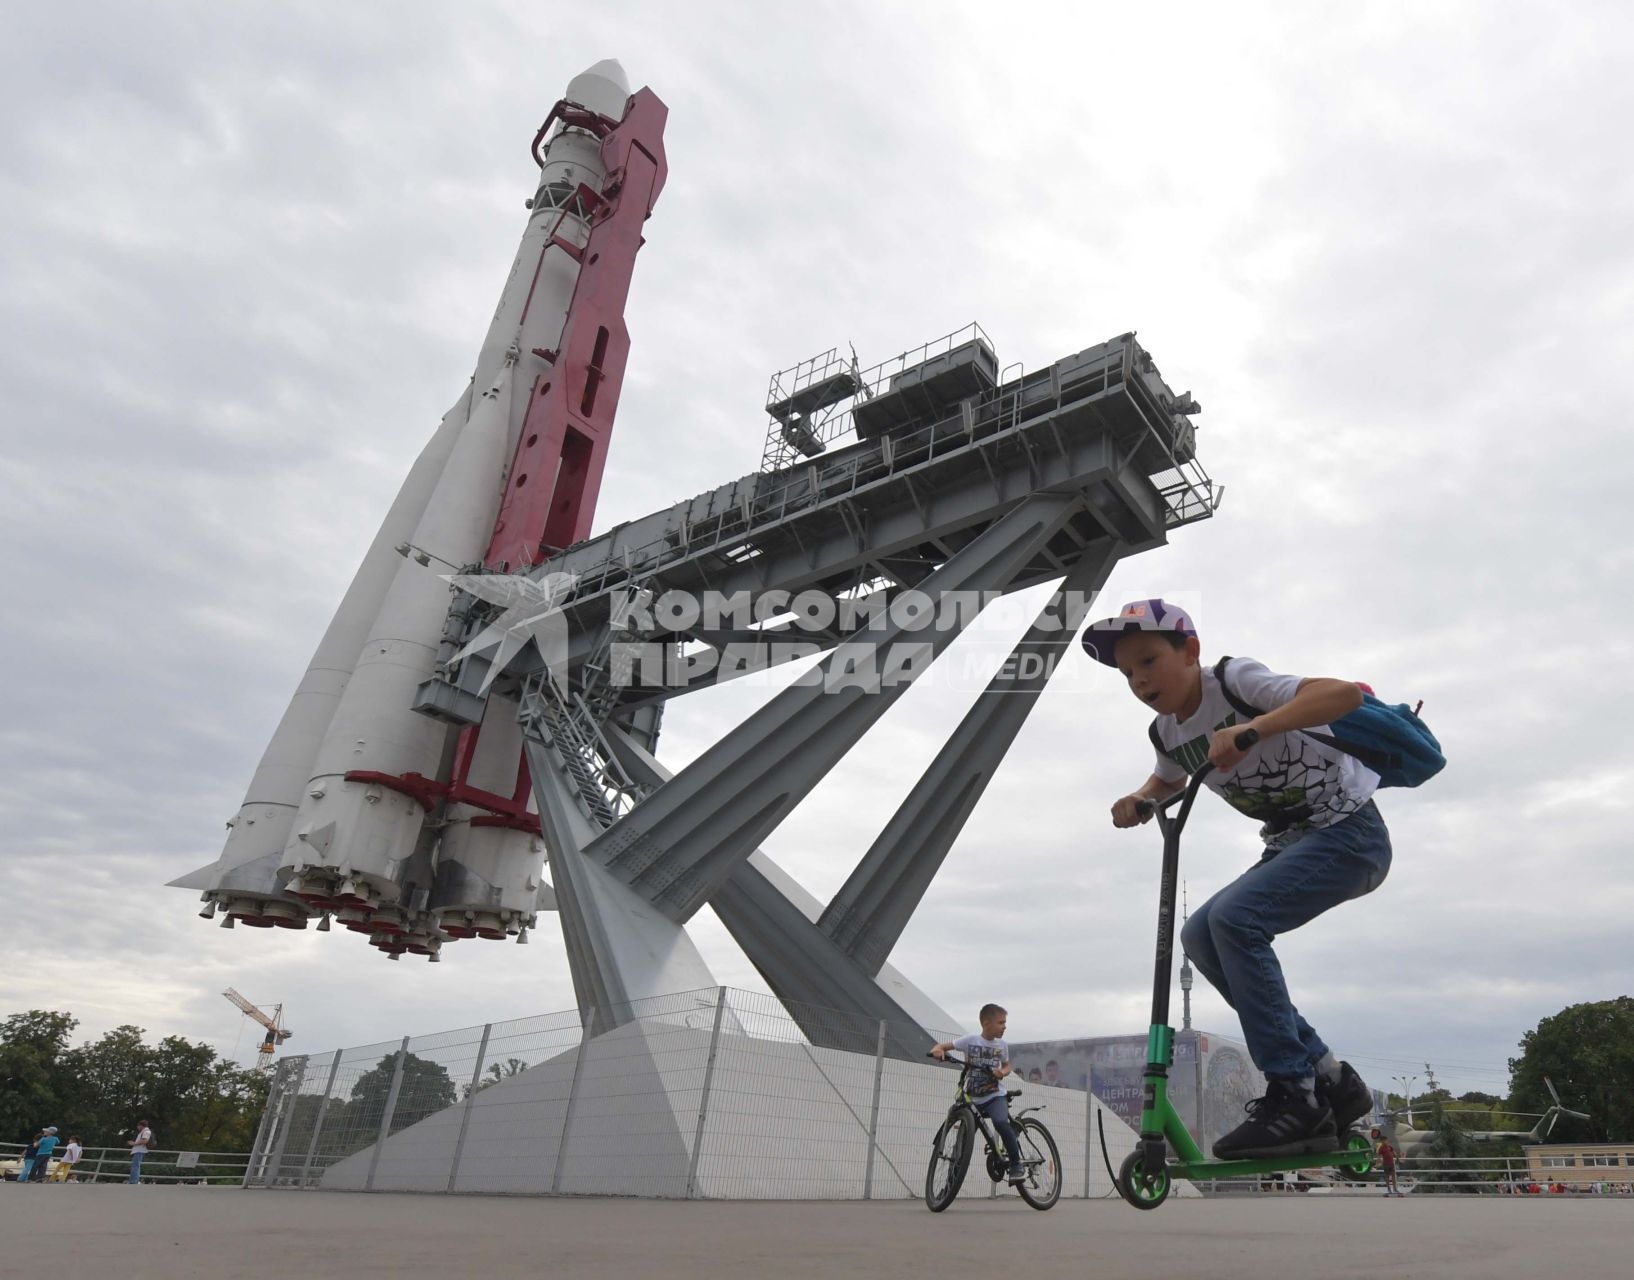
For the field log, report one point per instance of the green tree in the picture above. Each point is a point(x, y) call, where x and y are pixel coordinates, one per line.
point(1588, 1051)
point(31, 1093)
point(1449, 1143)
point(426, 1088)
point(497, 1071)
point(192, 1099)
point(107, 1085)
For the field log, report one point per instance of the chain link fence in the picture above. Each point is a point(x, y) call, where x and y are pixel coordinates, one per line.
point(717, 1093)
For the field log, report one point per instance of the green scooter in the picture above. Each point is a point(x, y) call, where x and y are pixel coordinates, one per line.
point(1147, 1172)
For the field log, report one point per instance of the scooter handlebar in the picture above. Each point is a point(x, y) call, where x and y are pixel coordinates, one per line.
point(1244, 740)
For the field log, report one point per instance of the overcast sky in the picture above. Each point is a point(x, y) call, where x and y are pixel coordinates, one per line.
point(248, 253)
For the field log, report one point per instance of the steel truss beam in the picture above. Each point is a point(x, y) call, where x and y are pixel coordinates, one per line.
point(619, 949)
point(871, 910)
point(772, 917)
point(679, 846)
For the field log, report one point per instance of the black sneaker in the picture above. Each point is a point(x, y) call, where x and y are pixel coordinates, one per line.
point(1349, 1097)
point(1016, 1177)
point(1287, 1121)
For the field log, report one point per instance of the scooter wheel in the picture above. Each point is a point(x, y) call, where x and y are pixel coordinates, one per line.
point(1362, 1152)
point(1143, 1190)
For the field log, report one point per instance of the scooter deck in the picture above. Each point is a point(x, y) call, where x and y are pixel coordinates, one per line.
point(1356, 1157)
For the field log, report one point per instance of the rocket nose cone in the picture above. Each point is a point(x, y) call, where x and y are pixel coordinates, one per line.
point(604, 88)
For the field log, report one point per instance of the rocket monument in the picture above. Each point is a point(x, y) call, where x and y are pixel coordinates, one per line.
point(370, 807)
point(486, 701)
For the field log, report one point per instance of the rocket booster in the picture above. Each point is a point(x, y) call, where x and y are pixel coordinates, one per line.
point(403, 826)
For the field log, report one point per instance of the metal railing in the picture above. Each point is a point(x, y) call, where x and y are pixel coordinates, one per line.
point(1012, 412)
point(112, 1164)
point(1434, 1175)
point(831, 417)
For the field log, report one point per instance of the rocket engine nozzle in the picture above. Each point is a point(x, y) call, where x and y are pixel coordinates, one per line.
point(258, 912)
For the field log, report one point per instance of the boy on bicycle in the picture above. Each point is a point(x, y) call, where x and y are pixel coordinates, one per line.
point(987, 1059)
point(1325, 843)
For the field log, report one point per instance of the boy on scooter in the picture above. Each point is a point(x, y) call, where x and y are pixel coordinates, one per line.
point(1325, 843)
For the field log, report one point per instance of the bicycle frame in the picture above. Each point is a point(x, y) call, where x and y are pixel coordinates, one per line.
point(1160, 1124)
point(990, 1133)
point(984, 1126)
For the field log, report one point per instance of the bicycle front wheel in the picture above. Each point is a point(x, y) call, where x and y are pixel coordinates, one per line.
point(1042, 1186)
point(949, 1159)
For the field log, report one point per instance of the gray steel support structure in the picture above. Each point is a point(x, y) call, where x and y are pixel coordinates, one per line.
point(873, 907)
point(679, 845)
point(1048, 476)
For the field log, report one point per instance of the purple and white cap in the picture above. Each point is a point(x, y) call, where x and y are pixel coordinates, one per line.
point(1100, 638)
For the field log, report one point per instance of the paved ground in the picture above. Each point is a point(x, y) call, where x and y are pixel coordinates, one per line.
point(145, 1233)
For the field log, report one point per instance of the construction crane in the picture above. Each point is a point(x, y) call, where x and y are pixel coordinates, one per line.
point(276, 1034)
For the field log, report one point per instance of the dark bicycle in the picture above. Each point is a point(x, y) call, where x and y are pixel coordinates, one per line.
point(950, 1151)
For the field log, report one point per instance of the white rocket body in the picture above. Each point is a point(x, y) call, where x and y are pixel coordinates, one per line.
point(362, 833)
point(490, 878)
point(303, 829)
point(245, 879)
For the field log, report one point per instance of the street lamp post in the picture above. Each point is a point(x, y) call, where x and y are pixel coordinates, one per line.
point(1407, 1083)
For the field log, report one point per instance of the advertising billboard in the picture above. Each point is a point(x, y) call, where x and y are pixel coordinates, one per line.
point(1211, 1081)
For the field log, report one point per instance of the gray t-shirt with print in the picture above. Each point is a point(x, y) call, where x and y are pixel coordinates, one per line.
point(985, 1057)
point(1289, 781)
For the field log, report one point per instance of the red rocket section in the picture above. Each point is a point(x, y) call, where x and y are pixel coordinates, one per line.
point(555, 477)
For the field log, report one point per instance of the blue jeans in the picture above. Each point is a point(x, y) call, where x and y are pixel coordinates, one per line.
point(1229, 937)
point(998, 1111)
point(135, 1167)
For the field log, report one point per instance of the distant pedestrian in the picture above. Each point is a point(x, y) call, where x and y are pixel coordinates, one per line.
point(138, 1148)
point(31, 1151)
point(1387, 1163)
point(64, 1172)
point(48, 1144)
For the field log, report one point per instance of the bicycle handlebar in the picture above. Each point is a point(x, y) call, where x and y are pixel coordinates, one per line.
point(1146, 808)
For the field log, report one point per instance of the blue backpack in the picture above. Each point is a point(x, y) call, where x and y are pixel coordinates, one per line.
point(1388, 738)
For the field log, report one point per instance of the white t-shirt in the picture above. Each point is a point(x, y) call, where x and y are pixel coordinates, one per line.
point(142, 1140)
point(72, 1154)
point(1289, 781)
point(985, 1057)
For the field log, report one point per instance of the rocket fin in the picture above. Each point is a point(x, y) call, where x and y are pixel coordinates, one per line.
point(203, 878)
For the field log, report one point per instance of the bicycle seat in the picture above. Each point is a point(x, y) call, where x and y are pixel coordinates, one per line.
point(1013, 1093)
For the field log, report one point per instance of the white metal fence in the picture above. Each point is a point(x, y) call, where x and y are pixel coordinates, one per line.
point(716, 1093)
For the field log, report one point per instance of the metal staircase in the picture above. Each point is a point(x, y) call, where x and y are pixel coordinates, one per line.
point(572, 726)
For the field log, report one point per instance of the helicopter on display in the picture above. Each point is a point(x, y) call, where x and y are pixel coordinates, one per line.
point(1398, 1125)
